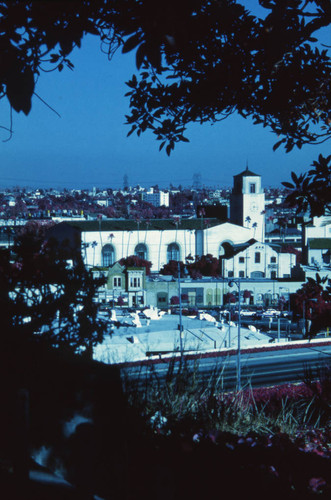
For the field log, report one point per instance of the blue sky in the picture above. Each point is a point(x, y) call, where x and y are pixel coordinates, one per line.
point(88, 146)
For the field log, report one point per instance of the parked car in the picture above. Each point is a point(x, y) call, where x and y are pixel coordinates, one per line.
point(271, 312)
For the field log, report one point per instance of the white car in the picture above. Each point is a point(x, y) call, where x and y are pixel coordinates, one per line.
point(271, 312)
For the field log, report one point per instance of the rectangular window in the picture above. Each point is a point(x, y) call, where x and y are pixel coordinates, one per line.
point(273, 260)
point(273, 275)
point(257, 257)
point(241, 274)
point(241, 260)
point(117, 282)
point(135, 282)
point(199, 295)
point(230, 274)
point(252, 188)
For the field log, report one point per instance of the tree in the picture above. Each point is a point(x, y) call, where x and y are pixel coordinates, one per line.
point(311, 191)
point(135, 261)
point(248, 220)
point(46, 298)
point(171, 268)
point(206, 265)
point(313, 302)
point(198, 61)
point(295, 251)
point(229, 298)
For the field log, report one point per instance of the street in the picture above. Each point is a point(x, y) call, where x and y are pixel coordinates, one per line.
point(257, 368)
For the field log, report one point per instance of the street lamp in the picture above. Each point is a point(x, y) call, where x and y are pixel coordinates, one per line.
point(180, 308)
point(180, 311)
point(304, 314)
point(231, 283)
point(288, 291)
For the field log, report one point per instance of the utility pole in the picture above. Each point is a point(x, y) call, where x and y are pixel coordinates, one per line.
point(231, 283)
point(278, 329)
point(180, 312)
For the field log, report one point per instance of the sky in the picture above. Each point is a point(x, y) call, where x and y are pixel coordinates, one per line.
point(87, 146)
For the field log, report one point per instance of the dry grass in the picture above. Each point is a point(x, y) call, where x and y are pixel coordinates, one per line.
point(184, 399)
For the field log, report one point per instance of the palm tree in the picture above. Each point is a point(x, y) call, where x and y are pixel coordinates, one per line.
point(138, 224)
point(161, 232)
point(84, 247)
point(248, 220)
point(254, 226)
point(127, 251)
point(93, 245)
point(147, 225)
point(207, 225)
point(177, 222)
point(100, 235)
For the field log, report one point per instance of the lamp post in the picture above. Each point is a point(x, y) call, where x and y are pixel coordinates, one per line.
point(231, 283)
point(303, 317)
point(288, 291)
point(304, 314)
point(180, 312)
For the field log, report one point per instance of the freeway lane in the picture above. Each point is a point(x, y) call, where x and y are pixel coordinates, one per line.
point(258, 368)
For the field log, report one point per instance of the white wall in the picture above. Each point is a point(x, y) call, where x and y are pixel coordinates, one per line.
point(189, 242)
point(282, 265)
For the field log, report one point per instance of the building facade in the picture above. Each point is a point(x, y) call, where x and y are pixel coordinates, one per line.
point(247, 203)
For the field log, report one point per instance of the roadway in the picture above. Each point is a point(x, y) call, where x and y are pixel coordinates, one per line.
point(259, 369)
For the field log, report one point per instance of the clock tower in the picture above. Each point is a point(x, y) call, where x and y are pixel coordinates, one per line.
point(247, 203)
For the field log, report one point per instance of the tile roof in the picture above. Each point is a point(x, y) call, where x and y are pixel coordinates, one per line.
point(151, 225)
point(247, 173)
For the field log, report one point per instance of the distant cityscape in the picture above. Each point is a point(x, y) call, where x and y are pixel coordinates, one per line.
point(250, 231)
point(26, 203)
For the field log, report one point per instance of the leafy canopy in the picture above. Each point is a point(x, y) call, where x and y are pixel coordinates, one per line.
point(313, 301)
point(46, 298)
point(197, 60)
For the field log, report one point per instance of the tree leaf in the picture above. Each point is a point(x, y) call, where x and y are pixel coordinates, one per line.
point(140, 55)
point(288, 185)
point(19, 89)
point(276, 146)
point(131, 43)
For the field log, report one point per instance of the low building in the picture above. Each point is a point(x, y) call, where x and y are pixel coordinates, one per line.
point(212, 292)
point(124, 285)
point(319, 253)
point(257, 260)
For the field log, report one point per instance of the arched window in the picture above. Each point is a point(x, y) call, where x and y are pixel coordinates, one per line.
point(141, 251)
point(173, 252)
point(108, 255)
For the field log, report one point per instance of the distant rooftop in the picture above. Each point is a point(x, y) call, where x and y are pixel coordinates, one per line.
point(144, 225)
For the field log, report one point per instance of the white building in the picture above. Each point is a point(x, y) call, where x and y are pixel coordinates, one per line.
point(106, 241)
point(317, 239)
point(240, 243)
point(257, 260)
point(319, 253)
point(247, 203)
point(158, 198)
